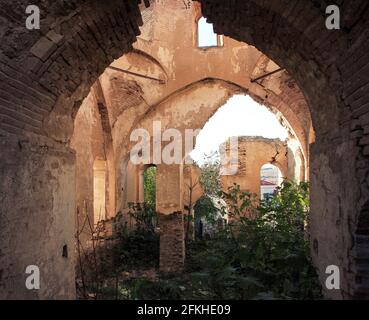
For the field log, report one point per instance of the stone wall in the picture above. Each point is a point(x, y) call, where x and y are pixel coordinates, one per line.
point(44, 76)
point(253, 153)
point(92, 147)
point(330, 68)
point(172, 249)
point(37, 218)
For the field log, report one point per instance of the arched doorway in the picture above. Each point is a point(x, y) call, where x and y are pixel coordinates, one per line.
point(44, 88)
point(149, 186)
point(270, 179)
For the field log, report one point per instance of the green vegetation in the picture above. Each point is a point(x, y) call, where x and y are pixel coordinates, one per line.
point(205, 209)
point(138, 248)
point(210, 176)
point(150, 186)
point(263, 253)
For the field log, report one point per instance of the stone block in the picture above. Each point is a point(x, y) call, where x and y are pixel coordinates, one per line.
point(43, 48)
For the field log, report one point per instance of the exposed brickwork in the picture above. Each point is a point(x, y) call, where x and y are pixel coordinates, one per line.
point(330, 67)
point(45, 75)
point(76, 43)
point(253, 153)
point(361, 254)
point(172, 253)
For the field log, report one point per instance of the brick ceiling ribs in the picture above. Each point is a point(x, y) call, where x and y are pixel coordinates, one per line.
point(77, 41)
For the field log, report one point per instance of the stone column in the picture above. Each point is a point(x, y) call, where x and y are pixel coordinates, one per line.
point(37, 218)
point(169, 204)
point(334, 200)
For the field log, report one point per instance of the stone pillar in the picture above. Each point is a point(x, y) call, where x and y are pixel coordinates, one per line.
point(334, 199)
point(169, 205)
point(172, 251)
point(37, 218)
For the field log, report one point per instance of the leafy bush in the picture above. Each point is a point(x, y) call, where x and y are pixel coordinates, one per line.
point(144, 215)
point(145, 289)
point(138, 248)
point(205, 209)
point(263, 252)
point(210, 176)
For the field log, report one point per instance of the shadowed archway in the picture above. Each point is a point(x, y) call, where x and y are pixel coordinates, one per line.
point(45, 75)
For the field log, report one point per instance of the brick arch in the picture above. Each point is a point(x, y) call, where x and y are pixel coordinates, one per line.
point(172, 104)
point(329, 68)
point(45, 76)
point(189, 101)
point(275, 30)
point(92, 140)
point(282, 168)
point(55, 68)
point(291, 94)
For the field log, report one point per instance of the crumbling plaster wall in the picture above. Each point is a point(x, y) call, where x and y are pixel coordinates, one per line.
point(191, 188)
point(156, 71)
point(186, 110)
point(253, 153)
point(37, 218)
point(88, 142)
point(164, 63)
point(152, 84)
point(45, 75)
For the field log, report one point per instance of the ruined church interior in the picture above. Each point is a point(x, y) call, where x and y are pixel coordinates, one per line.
point(101, 108)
